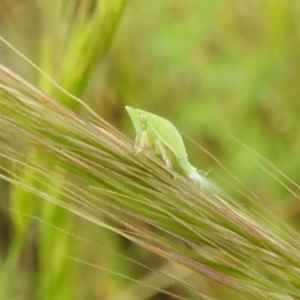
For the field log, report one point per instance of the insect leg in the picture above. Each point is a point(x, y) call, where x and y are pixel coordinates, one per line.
point(142, 141)
point(161, 150)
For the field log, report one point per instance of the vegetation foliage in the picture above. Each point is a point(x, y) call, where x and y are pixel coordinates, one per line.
point(83, 216)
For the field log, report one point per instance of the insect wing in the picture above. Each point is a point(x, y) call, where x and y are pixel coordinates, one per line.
point(167, 134)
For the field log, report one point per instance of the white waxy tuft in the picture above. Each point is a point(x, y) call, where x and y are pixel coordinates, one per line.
point(201, 180)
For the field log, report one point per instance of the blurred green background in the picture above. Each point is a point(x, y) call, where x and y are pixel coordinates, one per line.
point(214, 68)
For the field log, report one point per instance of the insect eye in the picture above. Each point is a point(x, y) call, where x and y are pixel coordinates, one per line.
point(143, 118)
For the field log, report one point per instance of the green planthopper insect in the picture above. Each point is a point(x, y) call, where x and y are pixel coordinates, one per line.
point(161, 136)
